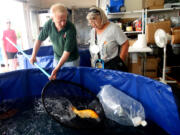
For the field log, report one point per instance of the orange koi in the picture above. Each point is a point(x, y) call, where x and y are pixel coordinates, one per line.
point(87, 113)
point(8, 114)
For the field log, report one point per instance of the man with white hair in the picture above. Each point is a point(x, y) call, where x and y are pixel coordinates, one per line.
point(62, 33)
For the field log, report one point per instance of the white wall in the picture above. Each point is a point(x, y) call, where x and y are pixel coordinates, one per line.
point(69, 3)
point(45, 4)
point(134, 5)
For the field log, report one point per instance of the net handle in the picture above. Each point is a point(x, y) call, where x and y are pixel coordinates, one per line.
point(25, 55)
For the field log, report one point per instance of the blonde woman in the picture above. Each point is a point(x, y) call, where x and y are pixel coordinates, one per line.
point(107, 41)
point(62, 34)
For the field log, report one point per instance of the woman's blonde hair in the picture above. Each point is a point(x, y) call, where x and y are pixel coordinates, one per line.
point(58, 8)
point(95, 11)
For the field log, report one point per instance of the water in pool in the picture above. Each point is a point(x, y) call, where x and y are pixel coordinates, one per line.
point(32, 119)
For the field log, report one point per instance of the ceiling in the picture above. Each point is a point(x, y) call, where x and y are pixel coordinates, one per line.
point(69, 3)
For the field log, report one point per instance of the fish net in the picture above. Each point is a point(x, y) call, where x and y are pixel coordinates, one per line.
point(59, 96)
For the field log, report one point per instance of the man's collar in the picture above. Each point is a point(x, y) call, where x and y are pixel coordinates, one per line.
point(63, 29)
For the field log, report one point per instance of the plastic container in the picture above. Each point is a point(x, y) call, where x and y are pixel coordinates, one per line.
point(115, 5)
point(116, 2)
point(120, 107)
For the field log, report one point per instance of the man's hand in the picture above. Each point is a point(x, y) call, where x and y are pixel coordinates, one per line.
point(62, 60)
point(35, 50)
point(32, 60)
point(53, 74)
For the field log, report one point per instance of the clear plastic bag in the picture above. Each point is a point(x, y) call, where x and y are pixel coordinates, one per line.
point(120, 107)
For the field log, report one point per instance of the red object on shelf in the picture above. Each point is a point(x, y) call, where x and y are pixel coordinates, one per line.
point(138, 25)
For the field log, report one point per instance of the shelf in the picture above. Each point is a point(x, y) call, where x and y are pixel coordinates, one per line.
point(163, 9)
point(128, 12)
point(139, 50)
point(141, 11)
point(132, 32)
point(119, 13)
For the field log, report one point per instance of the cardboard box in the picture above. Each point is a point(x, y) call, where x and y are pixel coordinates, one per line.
point(152, 27)
point(132, 41)
point(152, 62)
point(151, 67)
point(175, 30)
point(156, 7)
point(154, 4)
point(175, 39)
point(151, 73)
point(136, 66)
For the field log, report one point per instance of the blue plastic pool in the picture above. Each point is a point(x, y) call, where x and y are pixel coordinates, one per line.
point(156, 98)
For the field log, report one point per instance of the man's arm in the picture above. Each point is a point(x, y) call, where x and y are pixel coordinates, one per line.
point(124, 50)
point(35, 50)
point(62, 60)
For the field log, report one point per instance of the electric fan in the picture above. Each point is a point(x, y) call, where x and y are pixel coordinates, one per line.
point(161, 39)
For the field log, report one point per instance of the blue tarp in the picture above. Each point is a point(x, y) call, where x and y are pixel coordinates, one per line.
point(156, 98)
point(45, 58)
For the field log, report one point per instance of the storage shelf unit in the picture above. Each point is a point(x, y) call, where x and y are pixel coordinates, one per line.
point(130, 14)
point(141, 13)
point(160, 11)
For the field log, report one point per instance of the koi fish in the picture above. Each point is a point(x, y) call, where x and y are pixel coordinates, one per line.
point(87, 113)
point(8, 114)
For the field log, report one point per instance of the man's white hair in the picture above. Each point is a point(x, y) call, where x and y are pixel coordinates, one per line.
point(58, 8)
